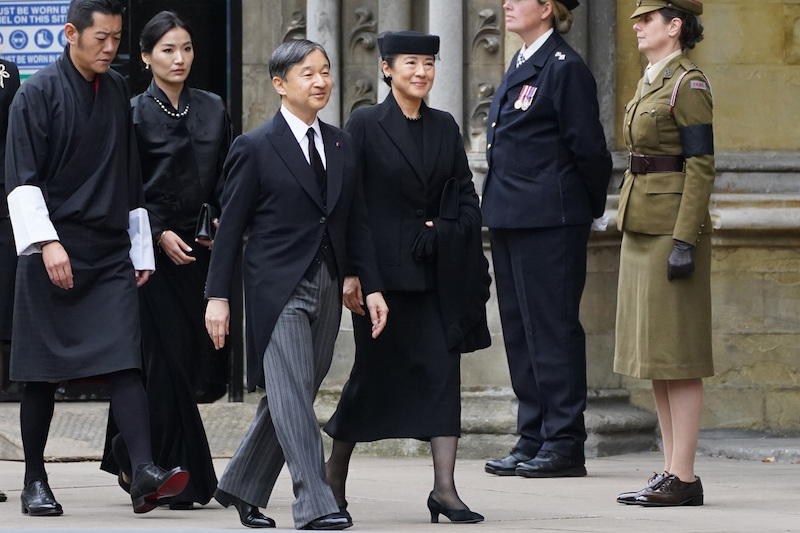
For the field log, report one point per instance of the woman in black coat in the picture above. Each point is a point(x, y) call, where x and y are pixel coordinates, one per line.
point(183, 136)
point(426, 222)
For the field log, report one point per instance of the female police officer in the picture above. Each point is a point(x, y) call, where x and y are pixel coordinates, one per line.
point(664, 299)
point(548, 173)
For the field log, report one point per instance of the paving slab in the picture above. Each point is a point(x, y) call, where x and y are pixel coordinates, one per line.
point(389, 494)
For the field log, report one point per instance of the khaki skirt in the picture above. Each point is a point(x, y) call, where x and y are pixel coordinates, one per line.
point(663, 327)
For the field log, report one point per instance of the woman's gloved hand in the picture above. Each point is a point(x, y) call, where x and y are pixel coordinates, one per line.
point(681, 261)
point(425, 244)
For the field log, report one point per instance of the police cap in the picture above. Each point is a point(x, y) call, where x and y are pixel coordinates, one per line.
point(408, 42)
point(646, 6)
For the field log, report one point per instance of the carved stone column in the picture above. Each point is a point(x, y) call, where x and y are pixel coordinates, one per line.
point(360, 53)
point(446, 19)
point(324, 27)
point(393, 15)
point(483, 72)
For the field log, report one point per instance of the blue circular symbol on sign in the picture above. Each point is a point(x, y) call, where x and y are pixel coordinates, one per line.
point(43, 38)
point(18, 40)
point(1, 38)
point(62, 38)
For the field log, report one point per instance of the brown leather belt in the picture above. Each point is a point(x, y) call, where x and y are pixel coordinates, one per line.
point(644, 164)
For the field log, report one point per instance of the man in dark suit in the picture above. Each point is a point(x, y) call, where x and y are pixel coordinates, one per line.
point(293, 183)
point(549, 169)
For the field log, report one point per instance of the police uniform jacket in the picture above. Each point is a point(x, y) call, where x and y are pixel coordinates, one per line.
point(548, 164)
point(669, 122)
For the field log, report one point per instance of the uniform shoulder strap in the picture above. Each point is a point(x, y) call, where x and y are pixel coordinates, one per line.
point(689, 66)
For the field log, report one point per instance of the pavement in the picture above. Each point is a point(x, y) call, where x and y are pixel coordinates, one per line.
point(758, 491)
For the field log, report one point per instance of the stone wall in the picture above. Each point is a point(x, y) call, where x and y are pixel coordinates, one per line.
point(751, 54)
point(756, 206)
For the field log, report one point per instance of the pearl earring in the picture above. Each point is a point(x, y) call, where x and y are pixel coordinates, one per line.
point(147, 66)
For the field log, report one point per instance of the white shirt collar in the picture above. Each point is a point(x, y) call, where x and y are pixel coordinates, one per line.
point(529, 51)
point(654, 71)
point(299, 130)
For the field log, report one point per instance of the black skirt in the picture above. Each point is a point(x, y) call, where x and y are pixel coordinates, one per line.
point(405, 383)
point(176, 350)
point(89, 330)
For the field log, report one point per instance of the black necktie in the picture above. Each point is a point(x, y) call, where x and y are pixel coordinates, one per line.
point(316, 160)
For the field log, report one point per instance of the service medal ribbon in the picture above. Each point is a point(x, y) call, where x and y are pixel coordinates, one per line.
point(526, 96)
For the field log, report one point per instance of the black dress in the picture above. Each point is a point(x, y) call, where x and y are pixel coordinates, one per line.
point(182, 157)
point(406, 383)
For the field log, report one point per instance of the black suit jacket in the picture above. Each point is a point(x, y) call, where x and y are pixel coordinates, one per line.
point(271, 191)
point(548, 165)
point(403, 189)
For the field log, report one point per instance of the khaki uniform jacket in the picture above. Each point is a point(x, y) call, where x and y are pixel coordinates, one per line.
point(673, 203)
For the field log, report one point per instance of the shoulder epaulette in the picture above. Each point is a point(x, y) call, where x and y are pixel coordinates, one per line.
point(689, 66)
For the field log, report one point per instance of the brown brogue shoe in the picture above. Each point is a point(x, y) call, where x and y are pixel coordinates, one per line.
point(672, 492)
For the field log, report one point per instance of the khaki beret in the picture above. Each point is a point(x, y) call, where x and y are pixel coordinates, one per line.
point(646, 6)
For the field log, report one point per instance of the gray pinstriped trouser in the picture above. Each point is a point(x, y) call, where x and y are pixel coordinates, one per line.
point(285, 427)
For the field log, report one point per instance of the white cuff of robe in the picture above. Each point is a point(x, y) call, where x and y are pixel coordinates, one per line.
point(141, 252)
point(601, 223)
point(30, 219)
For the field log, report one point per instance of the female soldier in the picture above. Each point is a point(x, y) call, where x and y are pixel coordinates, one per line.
point(426, 227)
point(183, 136)
point(664, 298)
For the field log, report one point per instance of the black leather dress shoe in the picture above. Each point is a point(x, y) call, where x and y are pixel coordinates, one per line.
point(550, 464)
point(329, 522)
point(629, 498)
point(673, 492)
point(249, 515)
point(154, 483)
point(126, 486)
point(3, 496)
point(507, 465)
point(38, 500)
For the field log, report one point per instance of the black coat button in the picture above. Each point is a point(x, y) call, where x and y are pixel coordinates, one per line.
point(322, 220)
point(420, 212)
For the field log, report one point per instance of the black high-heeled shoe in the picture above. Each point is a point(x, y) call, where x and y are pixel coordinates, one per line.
point(457, 516)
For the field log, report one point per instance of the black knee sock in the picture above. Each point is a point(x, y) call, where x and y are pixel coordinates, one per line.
point(129, 403)
point(35, 415)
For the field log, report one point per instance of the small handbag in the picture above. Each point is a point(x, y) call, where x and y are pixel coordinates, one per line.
point(205, 223)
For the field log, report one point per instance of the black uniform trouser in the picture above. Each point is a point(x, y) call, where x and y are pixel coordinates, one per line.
point(540, 274)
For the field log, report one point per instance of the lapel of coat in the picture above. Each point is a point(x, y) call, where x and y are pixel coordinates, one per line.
point(334, 156)
point(394, 124)
point(289, 151)
point(500, 99)
point(667, 73)
point(431, 141)
point(531, 68)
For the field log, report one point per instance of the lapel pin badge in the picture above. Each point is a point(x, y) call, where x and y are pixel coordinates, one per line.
point(561, 56)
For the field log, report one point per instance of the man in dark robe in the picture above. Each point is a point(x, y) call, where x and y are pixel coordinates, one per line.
point(83, 239)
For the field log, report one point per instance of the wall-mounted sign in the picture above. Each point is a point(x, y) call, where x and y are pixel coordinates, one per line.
point(32, 32)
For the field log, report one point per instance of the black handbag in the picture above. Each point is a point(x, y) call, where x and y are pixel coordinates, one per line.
point(205, 223)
